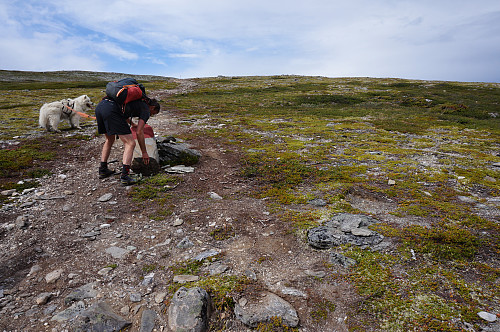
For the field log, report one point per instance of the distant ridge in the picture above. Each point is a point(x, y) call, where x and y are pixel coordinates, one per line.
point(68, 76)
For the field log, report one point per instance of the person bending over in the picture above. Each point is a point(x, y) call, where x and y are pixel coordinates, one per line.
point(112, 122)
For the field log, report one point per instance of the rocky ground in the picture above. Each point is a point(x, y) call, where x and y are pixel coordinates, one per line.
point(79, 233)
point(77, 230)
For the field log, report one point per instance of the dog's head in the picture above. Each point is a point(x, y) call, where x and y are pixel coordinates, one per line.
point(85, 101)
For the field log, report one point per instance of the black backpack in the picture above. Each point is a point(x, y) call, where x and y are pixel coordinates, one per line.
point(125, 91)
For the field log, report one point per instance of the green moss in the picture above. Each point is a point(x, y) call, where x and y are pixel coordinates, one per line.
point(187, 267)
point(154, 188)
point(321, 310)
point(147, 268)
point(222, 233)
point(275, 324)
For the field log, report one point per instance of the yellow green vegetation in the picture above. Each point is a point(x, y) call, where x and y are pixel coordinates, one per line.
point(307, 137)
point(275, 324)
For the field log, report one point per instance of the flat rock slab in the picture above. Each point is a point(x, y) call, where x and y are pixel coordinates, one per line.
point(254, 311)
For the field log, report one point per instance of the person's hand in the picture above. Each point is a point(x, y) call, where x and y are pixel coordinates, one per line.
point(145, 158)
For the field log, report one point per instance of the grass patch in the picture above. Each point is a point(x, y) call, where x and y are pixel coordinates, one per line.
point(154, 187)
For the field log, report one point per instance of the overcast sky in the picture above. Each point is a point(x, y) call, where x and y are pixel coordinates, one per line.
point(417, 39)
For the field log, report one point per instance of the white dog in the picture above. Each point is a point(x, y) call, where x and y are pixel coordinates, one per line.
point(52, 113)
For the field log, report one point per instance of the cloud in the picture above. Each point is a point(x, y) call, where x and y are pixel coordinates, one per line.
point(411, 39)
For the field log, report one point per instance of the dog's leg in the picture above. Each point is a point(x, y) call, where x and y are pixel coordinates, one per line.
point(54, 122)
point(74, 120)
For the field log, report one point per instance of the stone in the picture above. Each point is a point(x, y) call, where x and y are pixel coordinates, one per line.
point(487, 316)
point(361, 232)
point(315, 274)
point(176, 153)
point(206, 254)
point(250, 274)
point(349, 223)
point(185, 243)
point(179, 169)
point(34, 269)
point(189, 310)
point(490, 179)
point(69, 313)
point(391, 182)
point(466, 199)
point(99, 318)
point(263, 309)
point(219, 268)
point(160, 297)
point(293, 292)
point(105, 197)
point(178, 221)
point(135, 297)
point(214, 196)
point(148, 279)
point(339, 259)
point(105, 271)
point(371, 240)
point(349, 220)
point(22, 221)
point(84, 292)
point(148, 321)
point(183, 278)
point(53, 276)
point(125, 310)
point(117, 252)
point(8, 192)
point(49, 310)
point(43, 298)
point(317, 202)
point(323, 238)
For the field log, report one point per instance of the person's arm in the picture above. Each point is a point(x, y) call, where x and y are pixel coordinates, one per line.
point(142, 141)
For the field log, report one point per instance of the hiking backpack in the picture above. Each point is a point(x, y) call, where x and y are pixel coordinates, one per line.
point(125, 90)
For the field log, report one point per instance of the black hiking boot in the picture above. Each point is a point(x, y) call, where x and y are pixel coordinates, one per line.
point(105, 172)
point(126, 180)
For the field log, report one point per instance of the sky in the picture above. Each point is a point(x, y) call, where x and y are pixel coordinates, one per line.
point(446, 40)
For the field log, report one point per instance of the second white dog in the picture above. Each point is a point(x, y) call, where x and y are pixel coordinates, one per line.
point(51, 114)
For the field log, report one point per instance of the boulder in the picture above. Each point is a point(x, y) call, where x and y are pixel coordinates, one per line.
point(99, 318)
point(189, 310)
point(251, 312)
point(323, 237)
point(344, 228)
point(172, 153)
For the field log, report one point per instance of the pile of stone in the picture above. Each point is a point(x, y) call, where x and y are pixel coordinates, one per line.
point(345, 228)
